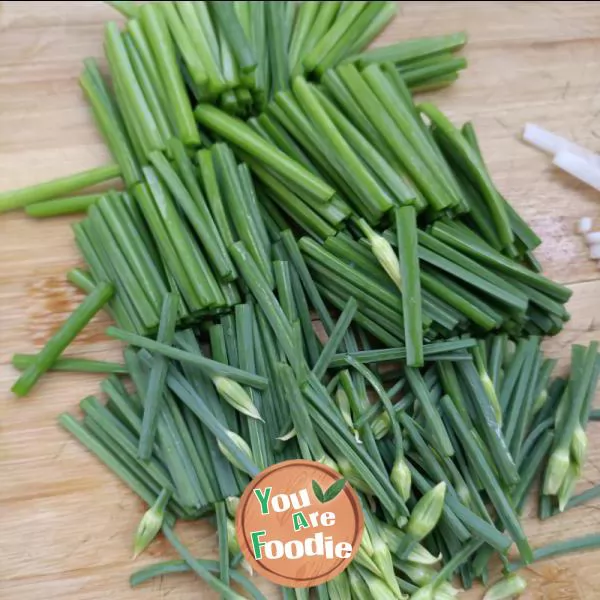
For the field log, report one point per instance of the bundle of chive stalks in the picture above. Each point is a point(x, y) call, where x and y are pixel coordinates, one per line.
point(338, 198)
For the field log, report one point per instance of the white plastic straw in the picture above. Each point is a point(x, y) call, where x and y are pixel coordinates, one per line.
point(585, 225)
point(578, 167)
point(592, 238)
point(554, 144)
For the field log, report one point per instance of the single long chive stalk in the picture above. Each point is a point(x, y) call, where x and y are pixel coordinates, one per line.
point(335, 338)
point(74, 365)
point(237, 132)
point(67, 332)
point(588, 542)
point(226, 592)
point(497, 496)
point(409, 50)
point(158, 374)
point(210, 367)
point(61, 206)
point(150, 524)
point(163, 51)
point(181, 566)
point(57, 187)
point(396, 354)
point(410, 286)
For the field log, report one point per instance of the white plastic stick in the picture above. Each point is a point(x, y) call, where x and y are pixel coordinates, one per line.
point(578, 167)
point(554, 144)
point(592, 238)
point(595, 251)
point(585, 225)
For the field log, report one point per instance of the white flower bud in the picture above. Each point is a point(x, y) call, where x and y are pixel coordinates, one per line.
point(235, 395)
point(507, 588)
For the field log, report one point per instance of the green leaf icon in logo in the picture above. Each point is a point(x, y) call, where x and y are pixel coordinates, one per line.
point(330, 494)
point(318, 491)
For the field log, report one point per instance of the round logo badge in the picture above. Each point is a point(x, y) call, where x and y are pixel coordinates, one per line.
point(299, 524)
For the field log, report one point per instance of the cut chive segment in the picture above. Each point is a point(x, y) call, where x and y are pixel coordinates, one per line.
point(239, 133)
point(67, 332)
point(57, 187)
point(74, 365)
point(406, 230)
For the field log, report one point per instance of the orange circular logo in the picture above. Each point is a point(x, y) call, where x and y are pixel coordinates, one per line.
point(299, 524)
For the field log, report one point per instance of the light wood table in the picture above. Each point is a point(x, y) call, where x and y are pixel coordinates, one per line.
point(66, 524)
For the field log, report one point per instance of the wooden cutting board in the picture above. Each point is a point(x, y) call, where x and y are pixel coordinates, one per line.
point(66, 523)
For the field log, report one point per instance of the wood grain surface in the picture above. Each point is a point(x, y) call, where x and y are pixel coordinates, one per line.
point(66, 523)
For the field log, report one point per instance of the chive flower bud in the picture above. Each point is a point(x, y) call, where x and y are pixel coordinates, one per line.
point(232, 541)
point(421, 556)
point(366, 543)
point(381, 425)
point(343, 403)
point(506, 588)
point(556, 471)
point(352, 476)
point(490, 391)
point(357, 584)
point(567, 487)
point(400, 477)
point(382, 557)
point(286, 437)
point(426, 513)
point(329, 462)
point(364, 560)
point(540, 401)
point(379, 589)
point(232, 503)
point(383, 252)
point(579, 445)
point(234, 547)
point(235, 395)
point(339, 587)
point(150, 524)
point(446, 590)
point(241, 445)
point(420, 575)
point(424, 593)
